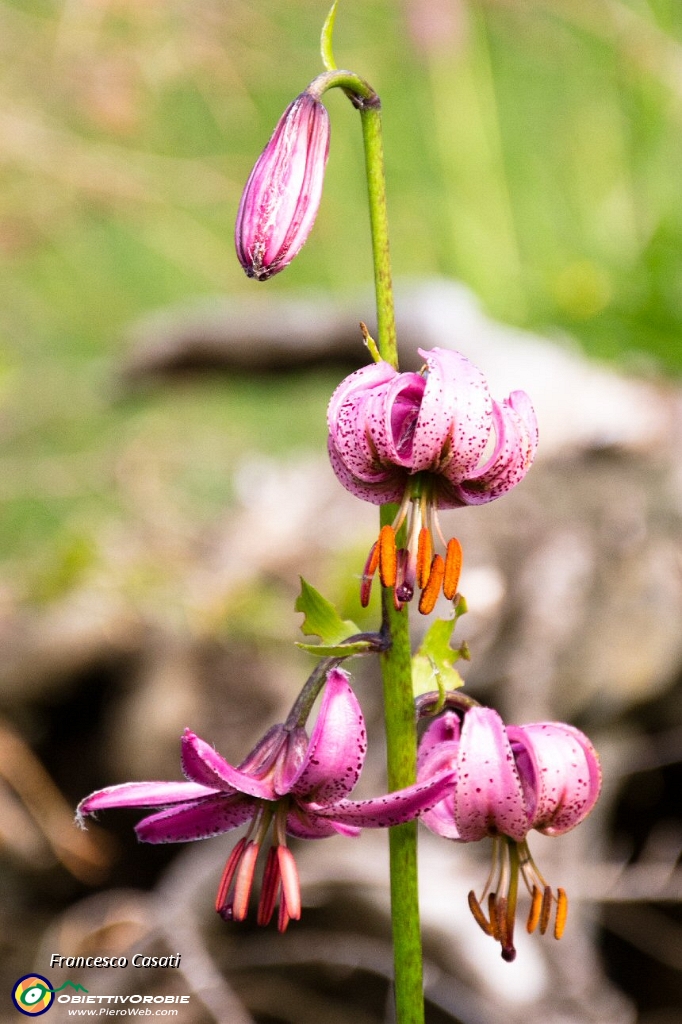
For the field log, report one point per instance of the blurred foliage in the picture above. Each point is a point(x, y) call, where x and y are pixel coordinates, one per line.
point(534, 151)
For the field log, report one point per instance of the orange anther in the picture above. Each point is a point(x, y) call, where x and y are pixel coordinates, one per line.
point(545, 909)
point(432, 589)
point(453, 567)
point(388, 559)
point(561, 913)
point(424, 557)
point(534, 915)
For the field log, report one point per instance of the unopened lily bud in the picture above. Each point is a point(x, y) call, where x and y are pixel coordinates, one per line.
point(280, 201)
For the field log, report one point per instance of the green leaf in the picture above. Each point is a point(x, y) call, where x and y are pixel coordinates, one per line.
point(323, 620)
point(326, 40)
point(432, 665)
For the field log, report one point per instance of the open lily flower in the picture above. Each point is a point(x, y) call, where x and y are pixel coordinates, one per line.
point(544, 776)
point(430, 440)
point(298, 786)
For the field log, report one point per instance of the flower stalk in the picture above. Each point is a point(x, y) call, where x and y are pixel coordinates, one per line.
point(396, 662)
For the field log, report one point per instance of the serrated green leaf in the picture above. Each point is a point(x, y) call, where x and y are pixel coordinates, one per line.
point(322, 619)
point(432, 665)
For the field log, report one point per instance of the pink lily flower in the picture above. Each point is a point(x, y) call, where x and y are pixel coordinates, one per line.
point(298, 786)
point(509, 780)
point(430, 440)
point(282, 195)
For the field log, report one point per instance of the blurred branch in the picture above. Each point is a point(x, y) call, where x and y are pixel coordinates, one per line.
point(84, 854)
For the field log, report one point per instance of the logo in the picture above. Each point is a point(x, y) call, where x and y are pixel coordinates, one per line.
point(34, 995)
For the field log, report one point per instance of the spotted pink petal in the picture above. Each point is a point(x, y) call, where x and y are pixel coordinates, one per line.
point(513, 453)
point(203, 764)
point(337, 747)
point(384, 811)
point(355, 417)
point(454, 420)
point(444, 729)
point(441, 817)
point(388, 485)
point(141, 794)
point(489, 798)
point(560, 772)
point(198, 819)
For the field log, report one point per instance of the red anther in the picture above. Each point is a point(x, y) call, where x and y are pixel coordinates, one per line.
point(478, 915)
point(283, 917)
point(388, 559)
point(228, 875)
point(291, 886)
point(427, 601)
point(424, 557)
point(561, 913)
point(368, 574)
point(453, 568)
point(269, 888)
point(244, 882)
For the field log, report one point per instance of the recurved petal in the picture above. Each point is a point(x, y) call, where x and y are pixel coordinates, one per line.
point(356, 416)
point(386, 484)
point(357, 384)
point(392, 420)
point(384, 811)
point(441, 817)
point(141, 794)
point(203, 764)
point(515, 447)
point(199, 819)
point(454, 421)
point(489, 798)
point(338, 744)
point(442, 730)
point(560, 772)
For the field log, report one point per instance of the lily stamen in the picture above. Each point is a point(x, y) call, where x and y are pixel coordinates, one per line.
point(414, 566)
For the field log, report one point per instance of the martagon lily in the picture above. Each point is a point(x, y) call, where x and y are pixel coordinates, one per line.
point(298, 786)
point(430, 440)
point(509, 780)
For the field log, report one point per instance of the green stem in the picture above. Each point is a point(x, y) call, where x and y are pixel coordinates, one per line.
point(378, 217)
point(401, 754)
point(396, 662)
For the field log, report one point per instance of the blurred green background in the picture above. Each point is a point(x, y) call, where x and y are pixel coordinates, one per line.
point(533, 152)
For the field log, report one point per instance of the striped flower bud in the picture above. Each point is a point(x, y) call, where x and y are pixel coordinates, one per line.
point(280, 201)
